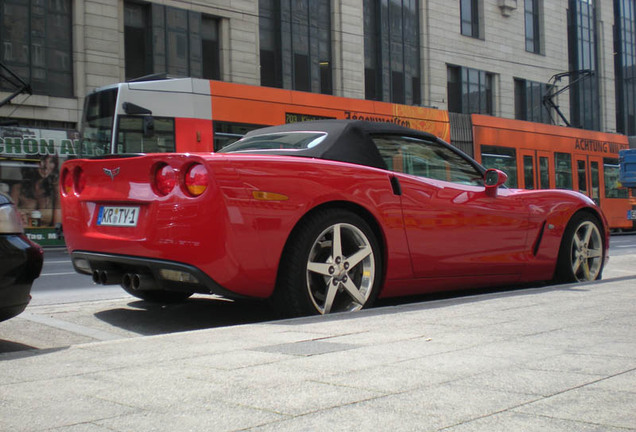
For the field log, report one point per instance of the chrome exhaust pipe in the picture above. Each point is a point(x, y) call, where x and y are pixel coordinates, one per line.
point(109, 277)
point(126, 281)
point(136, 281)
point(106, 277)
point(140, 281)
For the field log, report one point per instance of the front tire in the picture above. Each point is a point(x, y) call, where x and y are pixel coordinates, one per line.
point(581, 253)
point(331, 264)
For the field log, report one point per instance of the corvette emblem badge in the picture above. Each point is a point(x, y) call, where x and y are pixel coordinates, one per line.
point(111, 173)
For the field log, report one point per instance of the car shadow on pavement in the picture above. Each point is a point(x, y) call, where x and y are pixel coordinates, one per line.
point(146, 318)
point(198, 313)
point(9, 346)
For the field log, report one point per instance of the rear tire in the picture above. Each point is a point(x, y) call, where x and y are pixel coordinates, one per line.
point(581, 253)
point(331, 264)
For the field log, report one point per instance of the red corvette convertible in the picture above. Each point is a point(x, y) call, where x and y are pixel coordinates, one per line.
point(321, 217)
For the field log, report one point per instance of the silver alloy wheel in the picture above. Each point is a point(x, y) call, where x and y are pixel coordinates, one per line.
point(340, 269)
point(586, 252)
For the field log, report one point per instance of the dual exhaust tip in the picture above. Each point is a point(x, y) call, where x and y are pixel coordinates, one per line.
point(131, 281)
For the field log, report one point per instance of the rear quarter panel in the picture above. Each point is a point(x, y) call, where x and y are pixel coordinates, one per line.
point(229, 234)
point(310, 184)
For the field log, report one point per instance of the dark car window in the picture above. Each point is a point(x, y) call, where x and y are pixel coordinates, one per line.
point(428, 159)
point(277, 141)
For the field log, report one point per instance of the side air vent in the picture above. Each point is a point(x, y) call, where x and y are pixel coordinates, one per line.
point(537, 242)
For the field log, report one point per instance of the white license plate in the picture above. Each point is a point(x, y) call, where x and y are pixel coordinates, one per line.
point(118, 216)
point(631, 214)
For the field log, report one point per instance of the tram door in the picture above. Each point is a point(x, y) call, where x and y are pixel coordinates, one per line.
point(587, 178)
point(536, 170)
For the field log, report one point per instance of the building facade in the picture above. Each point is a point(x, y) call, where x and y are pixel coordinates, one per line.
point(496, 57)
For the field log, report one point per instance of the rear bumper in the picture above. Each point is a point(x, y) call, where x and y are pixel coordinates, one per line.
point(21, 265)
point(156, 274)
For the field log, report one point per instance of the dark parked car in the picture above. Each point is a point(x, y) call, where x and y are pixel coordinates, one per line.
point(20, 261)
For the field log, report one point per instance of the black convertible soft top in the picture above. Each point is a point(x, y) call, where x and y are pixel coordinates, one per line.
point(346, 141)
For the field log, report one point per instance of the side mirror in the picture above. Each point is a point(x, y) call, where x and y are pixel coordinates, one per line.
point(493, 179)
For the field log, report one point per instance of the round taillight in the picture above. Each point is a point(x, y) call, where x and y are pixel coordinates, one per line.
point(196, 180)
point(79, 180)
point(165, 179)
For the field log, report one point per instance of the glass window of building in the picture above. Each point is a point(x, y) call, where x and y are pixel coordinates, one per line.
point(625, 65)
point(392, 51)
point(162, 39)
point(584, 94)
point(470, 90)
point(295, 45)
point(469, 11)
point(210, 64)
point(270, 43)
point(137, 40)
point(529, 101)
point(35, 37)
point(533, 29)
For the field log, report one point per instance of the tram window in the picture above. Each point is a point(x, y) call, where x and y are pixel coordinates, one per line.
point(595, 182)
point(133, 136)
point(225, 133)
point(528, 171)
point(582, 174)
point(501, 158)
point(563, 169)
point(610, 169)
point(544, 173)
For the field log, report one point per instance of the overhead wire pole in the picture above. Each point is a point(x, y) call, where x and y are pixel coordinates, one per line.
point(17, 82)
point(548, 97)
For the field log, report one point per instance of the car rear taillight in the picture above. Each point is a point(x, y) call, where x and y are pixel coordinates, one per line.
point(196, 180)
point(73, 182)
point(79, 180)
point(67, 182)
point(165, 179)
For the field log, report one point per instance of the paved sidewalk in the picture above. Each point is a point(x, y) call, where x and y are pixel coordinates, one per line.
point(543, 359)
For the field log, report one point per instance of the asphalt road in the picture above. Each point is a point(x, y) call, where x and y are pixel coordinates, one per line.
point(623, 244)
point(59, 283)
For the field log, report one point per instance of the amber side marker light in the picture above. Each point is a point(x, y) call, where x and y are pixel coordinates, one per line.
point(196, 180)
point(269, 196)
